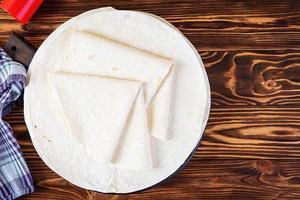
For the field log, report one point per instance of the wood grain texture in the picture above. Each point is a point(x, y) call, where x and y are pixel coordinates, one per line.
point(251, 51)
point(245, 24)
point(265, 77)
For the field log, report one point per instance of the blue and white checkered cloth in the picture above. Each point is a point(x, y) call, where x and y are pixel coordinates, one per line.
point(15, 178)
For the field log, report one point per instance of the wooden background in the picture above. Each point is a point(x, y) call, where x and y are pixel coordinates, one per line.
point(251, 51)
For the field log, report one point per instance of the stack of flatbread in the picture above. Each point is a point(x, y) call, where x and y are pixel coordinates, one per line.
point(116, 101)
point(114, 98)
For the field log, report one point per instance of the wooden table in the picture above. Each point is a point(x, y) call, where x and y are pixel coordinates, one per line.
point(251, 51)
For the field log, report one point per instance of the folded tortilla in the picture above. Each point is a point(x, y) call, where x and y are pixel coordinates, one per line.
point(95, 109)
point(134, 150)
point(159, 109)
point(98, 55)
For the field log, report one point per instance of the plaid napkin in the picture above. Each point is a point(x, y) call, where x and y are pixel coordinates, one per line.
point(15, 178)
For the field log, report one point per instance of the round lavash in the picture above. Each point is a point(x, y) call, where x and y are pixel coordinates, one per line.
point(190, 106)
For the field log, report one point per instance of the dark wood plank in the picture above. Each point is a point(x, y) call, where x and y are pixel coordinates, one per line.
point(203, 178)
point(211, 25)
point(254, 77)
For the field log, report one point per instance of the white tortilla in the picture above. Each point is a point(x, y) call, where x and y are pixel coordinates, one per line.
point(159, 110)
point(99, 55)
point(111, 110)
point(103, 104)
point(190, 102)
point(95, 54)
point(134, 150)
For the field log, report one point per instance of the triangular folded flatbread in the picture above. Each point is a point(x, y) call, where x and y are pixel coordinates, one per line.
point(95, 109)
point(94, 54)
point(134, 150)
point(160, 108)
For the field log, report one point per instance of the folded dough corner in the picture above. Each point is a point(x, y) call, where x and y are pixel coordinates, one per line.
point(128, 91)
